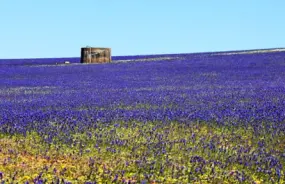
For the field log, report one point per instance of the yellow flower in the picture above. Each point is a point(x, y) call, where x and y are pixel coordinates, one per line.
point(82, 178)
point(25, 178)
point(258, 181)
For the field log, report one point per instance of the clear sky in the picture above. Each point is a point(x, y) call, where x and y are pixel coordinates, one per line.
point(59, 28)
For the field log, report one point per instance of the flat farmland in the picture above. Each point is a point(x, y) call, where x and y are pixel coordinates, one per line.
point(180, 118)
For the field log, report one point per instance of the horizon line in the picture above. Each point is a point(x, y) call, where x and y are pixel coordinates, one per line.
point(203, 52)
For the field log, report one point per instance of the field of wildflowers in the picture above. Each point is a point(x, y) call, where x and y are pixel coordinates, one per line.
point(184, 118)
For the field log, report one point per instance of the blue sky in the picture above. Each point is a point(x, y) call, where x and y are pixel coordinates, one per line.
point(59, 28)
